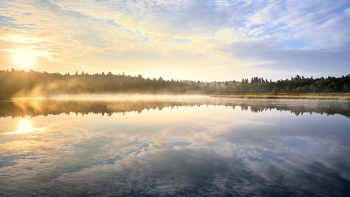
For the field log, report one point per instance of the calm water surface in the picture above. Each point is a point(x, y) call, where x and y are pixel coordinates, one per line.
point(174, 146)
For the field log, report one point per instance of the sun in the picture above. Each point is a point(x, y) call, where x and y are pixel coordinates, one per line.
point(23, 58)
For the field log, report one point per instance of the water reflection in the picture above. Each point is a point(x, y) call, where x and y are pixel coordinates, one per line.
point(176, 147)
point(38, 107)
point(24, 126)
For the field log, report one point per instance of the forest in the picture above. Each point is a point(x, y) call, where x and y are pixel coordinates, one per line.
point(20, 83)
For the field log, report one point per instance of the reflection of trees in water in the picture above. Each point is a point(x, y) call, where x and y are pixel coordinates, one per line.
point(54, 107)
point(300, 110)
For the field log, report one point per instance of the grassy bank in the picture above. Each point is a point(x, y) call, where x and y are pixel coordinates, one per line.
point(330, 96)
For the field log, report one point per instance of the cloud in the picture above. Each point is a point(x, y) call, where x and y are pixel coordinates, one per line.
point(269, 57)
point(129, 35)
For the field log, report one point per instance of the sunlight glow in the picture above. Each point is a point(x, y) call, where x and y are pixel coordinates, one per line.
point(24, 58)
point(24, 126)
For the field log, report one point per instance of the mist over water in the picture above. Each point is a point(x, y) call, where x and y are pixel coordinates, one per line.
point(126, 97)
point(132, 145)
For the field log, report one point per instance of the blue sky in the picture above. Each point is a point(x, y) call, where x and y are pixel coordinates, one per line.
point(180, 39)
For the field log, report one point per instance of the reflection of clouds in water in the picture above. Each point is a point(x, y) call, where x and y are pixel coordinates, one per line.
point(221, 152)
point(165, 171)
point(195, 171)
point(26, 131)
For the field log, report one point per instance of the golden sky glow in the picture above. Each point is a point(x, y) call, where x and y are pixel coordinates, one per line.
point(198, 40)
point(24, 58)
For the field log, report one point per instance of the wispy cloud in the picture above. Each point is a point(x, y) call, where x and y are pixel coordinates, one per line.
point(148, 36)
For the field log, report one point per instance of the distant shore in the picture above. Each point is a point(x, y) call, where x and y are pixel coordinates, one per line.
point(330, 96)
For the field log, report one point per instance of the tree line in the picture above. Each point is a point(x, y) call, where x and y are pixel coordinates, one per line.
point(33, 83)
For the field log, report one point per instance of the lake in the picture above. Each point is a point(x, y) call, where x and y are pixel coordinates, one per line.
point(174, 146)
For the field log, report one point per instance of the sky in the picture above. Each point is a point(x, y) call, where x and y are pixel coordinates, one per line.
point(207, 40)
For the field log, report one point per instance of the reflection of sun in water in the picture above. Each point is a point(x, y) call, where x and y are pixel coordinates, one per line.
point(23, 57)
point(25, 125)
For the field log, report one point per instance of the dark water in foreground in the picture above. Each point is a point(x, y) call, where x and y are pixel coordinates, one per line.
point(174, 146)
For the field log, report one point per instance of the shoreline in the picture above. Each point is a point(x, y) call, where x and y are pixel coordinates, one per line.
point(270, 96)
point(311, 96)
